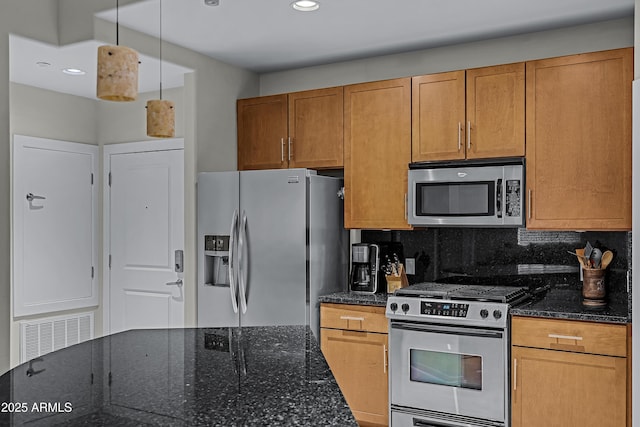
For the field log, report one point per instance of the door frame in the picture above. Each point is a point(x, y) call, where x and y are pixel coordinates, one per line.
point(107, 151)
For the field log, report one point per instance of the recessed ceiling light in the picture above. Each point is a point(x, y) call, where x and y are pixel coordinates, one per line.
point(212, 2)
point(305, 5)
point(43, 64)
point(73, 71)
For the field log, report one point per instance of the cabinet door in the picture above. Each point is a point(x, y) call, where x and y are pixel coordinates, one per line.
point(495, 111)
point(579, 141)
point(262, 132)
point(377, 153)
point(315, 129)
point(438, 113)
point(558, 388)
point(359, 362)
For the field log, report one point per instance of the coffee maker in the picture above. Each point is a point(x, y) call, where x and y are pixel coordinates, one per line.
point(365, 266)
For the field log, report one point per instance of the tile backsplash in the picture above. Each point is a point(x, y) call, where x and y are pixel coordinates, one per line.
point(484, 251)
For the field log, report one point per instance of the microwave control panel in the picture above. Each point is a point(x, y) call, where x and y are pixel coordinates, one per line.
point(513, 198)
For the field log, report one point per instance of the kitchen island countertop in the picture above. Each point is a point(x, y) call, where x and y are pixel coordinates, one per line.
point(250, 376)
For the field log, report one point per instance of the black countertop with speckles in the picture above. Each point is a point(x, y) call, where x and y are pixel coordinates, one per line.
point(250, 376)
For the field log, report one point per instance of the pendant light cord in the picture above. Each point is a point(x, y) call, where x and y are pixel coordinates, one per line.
point(117, 24)
point(160, 49)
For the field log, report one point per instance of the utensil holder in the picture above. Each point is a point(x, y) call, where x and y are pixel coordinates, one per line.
point(396, 282)
point(593, 287)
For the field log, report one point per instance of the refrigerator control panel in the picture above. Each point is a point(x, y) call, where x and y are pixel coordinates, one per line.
point(216, 243)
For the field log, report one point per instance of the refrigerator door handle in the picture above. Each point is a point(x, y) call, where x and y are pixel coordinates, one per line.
point(232, 255)
point(243, 263)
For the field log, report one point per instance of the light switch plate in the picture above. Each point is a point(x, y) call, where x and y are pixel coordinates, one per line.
point(410, 265)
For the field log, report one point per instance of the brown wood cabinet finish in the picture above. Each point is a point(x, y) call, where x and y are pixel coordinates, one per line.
point(262, 131)
point(579, 141)
point(358, 359)
point(295, 130)
point(316, 129)
point(478, 113)
point(562, 373)
point(377, 151)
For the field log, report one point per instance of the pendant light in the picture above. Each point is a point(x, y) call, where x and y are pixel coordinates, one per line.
point(117, 70)
point(160, 112)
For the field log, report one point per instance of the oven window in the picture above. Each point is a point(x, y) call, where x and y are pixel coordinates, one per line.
point(450, 369)
point(456, 199)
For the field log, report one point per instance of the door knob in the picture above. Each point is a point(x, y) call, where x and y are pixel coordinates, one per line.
point(177, 283)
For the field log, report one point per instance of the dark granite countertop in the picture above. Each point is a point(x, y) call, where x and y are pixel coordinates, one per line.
point(566, 303)
point(253, 376)
point(379, 299)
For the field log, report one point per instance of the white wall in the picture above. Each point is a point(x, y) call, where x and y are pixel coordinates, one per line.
point(545, 44)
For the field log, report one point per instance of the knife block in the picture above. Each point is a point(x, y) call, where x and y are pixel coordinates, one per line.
point(397, 282)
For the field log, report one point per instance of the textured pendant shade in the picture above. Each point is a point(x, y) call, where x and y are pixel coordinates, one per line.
point(117, 73)
point(160, 118)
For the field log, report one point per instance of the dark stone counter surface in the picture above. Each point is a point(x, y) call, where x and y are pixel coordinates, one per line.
point(566, 303)
point(379, 299)
point(253, 376)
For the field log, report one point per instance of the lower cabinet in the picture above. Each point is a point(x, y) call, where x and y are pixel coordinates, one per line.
point(568, 373)
point(354, 343)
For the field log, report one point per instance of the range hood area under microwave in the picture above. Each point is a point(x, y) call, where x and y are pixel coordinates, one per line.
point(469, 193)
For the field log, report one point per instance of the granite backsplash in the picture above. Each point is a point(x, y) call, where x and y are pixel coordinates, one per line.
point(483, 251)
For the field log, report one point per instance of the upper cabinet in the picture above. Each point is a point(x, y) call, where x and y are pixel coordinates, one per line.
point(301, 129)
point(478, 113)
point(377, 152)
point(579, 141)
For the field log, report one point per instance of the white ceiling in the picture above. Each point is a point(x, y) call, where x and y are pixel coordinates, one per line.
point(268, 35)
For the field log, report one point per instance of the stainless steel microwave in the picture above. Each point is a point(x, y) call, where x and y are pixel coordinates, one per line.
point(473, 193)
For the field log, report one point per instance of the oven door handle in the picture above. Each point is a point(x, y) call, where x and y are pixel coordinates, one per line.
point(423, 423)
point(452, 330)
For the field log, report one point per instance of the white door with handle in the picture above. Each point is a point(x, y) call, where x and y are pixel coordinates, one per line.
point(145, 239)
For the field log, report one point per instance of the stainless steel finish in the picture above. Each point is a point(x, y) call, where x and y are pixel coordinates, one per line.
point(459, 136)
point(406, 206)
point(232, 261)
point(384, 358)
point(179, 261)
point(286, 218)
point(408, 417)
point(358, 319)
point(290, 142)
point(31, 197)
point(529, 205)
point(360, 253)
point(515, 374)
point(177, 283)
point(469, 135)
point(565, 337)
point(464, 174)
point(281, 149)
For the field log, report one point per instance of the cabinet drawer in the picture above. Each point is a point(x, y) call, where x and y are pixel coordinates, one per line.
point(353, 317)
point(570, 335)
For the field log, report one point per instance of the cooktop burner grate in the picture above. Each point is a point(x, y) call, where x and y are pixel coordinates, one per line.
point(505, 294)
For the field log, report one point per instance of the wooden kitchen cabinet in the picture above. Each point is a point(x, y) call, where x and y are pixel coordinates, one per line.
point(353, 340)
point(578, 134)
point(377, 152)
point(472, 114)
point(568, 373)
point(295, 130)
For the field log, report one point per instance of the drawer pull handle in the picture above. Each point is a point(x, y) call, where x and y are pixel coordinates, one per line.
point(565, 337)
point(360, 319)
point(515, 374)
point(384, 358)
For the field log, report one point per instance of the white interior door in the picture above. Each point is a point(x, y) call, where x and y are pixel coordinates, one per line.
point(146, 214)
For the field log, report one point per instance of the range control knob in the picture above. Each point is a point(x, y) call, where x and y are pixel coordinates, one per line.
point(497, 314)
point(405, 307)
point(484, 313)
point(393, 306)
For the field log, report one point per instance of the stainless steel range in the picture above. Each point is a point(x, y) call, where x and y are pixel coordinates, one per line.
point(449, 352)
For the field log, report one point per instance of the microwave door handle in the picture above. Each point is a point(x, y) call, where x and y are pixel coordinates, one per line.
point(499, 198)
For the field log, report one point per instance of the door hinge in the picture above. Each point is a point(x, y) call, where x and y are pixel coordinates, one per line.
point(109, 179)
point(109, 261)
point(93, 271)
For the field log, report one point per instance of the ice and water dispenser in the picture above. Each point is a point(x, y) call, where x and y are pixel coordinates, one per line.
point(216, 260)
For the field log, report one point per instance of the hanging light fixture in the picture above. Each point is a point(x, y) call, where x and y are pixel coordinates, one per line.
point(160, 112)
point(117, 70)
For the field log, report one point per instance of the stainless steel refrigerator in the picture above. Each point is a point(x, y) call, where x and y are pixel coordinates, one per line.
point(269, 244)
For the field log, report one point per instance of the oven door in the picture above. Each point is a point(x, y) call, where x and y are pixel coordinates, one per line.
point(455, 370)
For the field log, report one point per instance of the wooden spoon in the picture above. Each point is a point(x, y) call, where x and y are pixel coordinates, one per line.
point(607, 256)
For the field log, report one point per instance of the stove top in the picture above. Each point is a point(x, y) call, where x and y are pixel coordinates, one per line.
point(504, 294)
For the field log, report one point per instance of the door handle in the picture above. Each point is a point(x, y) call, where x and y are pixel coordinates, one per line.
point(31, 197)
point(232, 261)
point(177, 283)
point(244, 263)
